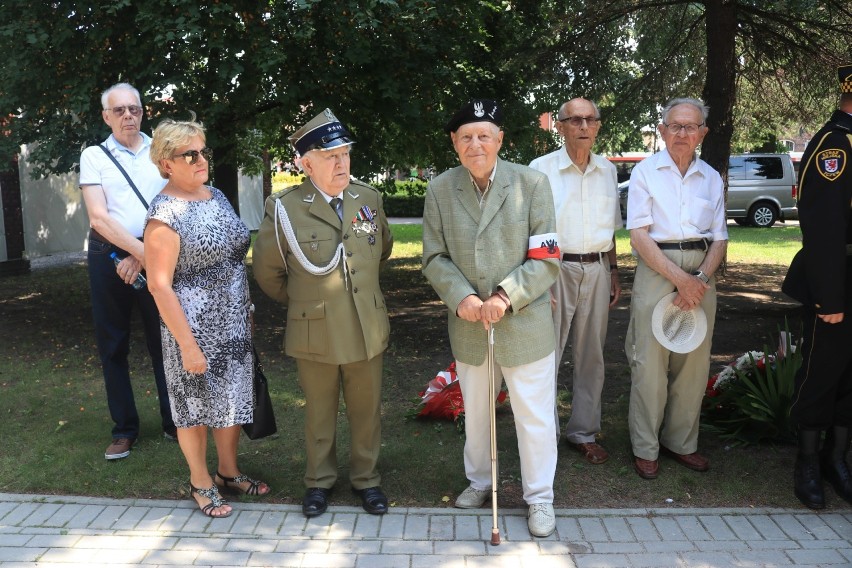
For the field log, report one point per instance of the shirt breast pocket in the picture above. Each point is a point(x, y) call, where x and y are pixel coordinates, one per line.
point(605, 204)
point(318, 242)
point(702, 213)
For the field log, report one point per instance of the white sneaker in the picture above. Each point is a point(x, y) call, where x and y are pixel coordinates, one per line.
point(541, 520)
point(472, 498)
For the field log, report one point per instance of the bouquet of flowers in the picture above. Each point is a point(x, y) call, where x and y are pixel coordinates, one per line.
point(442, 398)
point(749, 400)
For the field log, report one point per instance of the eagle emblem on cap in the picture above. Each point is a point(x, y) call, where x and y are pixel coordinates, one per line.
point(478, 111)
point(330, 115)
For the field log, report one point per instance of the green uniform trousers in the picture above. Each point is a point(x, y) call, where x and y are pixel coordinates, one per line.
point(362, 394)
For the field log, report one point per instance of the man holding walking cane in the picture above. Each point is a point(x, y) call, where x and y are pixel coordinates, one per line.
point(490, 251)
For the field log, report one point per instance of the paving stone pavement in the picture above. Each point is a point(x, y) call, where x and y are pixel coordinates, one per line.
point(67, 531)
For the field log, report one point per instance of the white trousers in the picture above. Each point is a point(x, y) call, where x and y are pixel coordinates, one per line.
point(533, 399)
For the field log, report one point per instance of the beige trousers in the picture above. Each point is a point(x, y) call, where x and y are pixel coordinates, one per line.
point(666, 388)
point(582, 313)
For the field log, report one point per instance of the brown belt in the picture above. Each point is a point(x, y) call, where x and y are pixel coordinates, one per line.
point(700, 244)
point(94, 235)
point(584, 257)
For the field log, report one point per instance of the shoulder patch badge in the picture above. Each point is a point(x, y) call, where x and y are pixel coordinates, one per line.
point(831, 163)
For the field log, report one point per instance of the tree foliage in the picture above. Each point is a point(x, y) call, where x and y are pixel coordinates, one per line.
point(394, 70)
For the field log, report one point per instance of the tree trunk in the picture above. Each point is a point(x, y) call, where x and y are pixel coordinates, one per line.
point(720, 84)
point(267, 175)
point(13, 221)
point(226, 179)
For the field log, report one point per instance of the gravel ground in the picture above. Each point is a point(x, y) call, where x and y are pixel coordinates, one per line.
point(58, 260)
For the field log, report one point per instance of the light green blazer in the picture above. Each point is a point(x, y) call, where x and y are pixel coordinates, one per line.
point(330, 319)
point(471, 251)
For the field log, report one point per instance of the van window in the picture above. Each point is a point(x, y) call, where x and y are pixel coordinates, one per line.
point(736, 168)
point(764, 168)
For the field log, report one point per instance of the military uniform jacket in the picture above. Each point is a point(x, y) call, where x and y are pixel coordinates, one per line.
point(330, 319)
point(471, 251)
point(817, 277)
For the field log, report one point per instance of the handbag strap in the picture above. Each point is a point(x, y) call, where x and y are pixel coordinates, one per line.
point(127, 177)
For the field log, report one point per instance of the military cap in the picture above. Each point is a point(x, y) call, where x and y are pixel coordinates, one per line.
point(477, 110)
point(322, 132)
point(844, 73)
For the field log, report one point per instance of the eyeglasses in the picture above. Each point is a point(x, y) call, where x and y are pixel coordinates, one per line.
point(579, 120)
point(191, 157)
point(675, 128)
point(118, 112)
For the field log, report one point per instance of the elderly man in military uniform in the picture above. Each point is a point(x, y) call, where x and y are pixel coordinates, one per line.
point(318, 251)
point(820, 277)
point(490, 251)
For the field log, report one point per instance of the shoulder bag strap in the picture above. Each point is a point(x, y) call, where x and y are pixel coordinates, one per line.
point(127, 177)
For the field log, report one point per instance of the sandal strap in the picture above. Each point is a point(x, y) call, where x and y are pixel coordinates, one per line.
point(254, 484)
point(211, 493)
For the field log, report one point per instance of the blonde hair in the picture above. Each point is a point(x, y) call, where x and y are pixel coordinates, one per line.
point(171, 135)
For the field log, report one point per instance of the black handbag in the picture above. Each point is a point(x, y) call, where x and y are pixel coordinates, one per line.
point(264, 417)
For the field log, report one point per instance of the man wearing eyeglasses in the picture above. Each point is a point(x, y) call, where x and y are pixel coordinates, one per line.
point(676, 218)
point(585, 196)
point(319, 251)
point(117, 211)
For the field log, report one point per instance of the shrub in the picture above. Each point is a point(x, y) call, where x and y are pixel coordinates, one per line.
point(749, 400)
point(404, 205)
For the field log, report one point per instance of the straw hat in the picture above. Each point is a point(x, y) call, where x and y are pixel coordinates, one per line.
point(680, 331)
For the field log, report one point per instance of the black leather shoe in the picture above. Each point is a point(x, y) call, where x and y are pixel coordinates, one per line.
point(315, 501)
point(807, 482)
point(373, 500)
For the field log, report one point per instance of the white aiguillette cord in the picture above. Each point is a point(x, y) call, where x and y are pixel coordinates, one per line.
point(287, 227)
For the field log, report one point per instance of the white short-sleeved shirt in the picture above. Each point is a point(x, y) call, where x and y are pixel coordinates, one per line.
point(122, 203)
point(586, 203)
point(674, 207)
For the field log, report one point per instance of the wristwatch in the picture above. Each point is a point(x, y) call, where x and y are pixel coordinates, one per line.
point(701, 276)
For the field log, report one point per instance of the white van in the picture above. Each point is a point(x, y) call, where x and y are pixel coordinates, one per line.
point(761, 189)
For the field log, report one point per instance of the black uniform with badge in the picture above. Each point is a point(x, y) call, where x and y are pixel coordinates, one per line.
point(820, 277)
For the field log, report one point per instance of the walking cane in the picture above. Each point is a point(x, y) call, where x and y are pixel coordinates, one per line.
point(492, 415)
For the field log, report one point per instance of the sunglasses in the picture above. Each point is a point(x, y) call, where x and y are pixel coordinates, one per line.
point(119, 111)
point(191, 157)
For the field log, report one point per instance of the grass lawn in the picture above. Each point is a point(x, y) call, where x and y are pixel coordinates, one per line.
point(56, 424)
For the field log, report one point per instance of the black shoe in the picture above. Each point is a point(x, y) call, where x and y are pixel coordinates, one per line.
point(833, 465)
point(373, 500)
point(807, 483)
point(170, 434)
point(315, 501)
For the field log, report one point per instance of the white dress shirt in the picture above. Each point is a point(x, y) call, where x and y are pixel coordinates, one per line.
point(674, 207)
point(586, 203)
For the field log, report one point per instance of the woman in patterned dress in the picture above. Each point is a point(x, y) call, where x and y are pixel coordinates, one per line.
point(195, 246)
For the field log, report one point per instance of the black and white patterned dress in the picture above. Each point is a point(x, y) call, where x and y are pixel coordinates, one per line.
point(210, 282)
